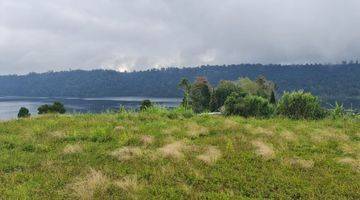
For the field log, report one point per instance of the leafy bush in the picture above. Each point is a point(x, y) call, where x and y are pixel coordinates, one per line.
point(184, 112)
point(157, 109)
point(248, 106)
point(145, 104)
point(172, 115)
point(220, 94)
point(23, 112)
point(44, 109)
point(57, 107)
point(200, 94)
point(300, 105)
point(260, 87)
point(338, 111)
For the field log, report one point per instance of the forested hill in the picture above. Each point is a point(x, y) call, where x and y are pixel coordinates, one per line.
point(340, 82)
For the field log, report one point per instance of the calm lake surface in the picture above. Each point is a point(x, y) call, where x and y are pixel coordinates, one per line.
point(9, 106)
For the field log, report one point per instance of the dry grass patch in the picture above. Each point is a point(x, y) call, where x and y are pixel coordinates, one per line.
point(126, 153)
point(355, 163)
point(199, 174)
point(297, 162)
point(58, 134)
point(211, 155)
point(173, 150)
point(85, 188)
point(264, 131)
point(129, 184)
point(349, 149)
point(72, 148)
point(167, 169)
point(171, 130)
point(194, 130)
point(320, 135)
point(119, 128)
point(248, 127)
point(288, 135)
point(264, 150)
point(258, 130)
point(230, 125)
point(185, 187)
point(47, 164)
point(147, 140)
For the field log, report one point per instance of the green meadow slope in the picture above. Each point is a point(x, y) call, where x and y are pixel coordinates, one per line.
point(161, 154)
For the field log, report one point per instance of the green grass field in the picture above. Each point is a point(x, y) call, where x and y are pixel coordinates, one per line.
point(161, 154)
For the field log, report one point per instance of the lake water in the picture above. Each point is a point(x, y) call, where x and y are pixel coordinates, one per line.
point(9, 106)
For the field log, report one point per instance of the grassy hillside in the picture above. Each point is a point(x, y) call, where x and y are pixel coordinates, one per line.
point(167, 154)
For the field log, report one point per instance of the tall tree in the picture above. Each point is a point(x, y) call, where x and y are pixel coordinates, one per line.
point(23, 112)
point(185, 85)
point(221, 92)
point(200, 94)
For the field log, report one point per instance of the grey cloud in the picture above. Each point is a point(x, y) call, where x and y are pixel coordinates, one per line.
point(37, 35)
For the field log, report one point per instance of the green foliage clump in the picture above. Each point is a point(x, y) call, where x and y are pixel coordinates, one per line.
point(23, 112)
point(44, 109)
point(221, 92)
point(185, 85)
point(202, 97)
point(272, 98)
point(200, 94)
point(300, 105)
point(338, 111)
point(260, 87)
point(181, 112)
point(57, 107)
point(248, 106)
point(145, 104)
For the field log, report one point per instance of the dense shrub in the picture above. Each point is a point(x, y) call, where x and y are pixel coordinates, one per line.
point(44, 109)
point(23, 112)
point(220, 94)
point(184, 112)
point(200, 94)
point(248, 106)
point(145, 104)
point(260, 87)
point(57, 107)
point(338, 111)
point(300, 105)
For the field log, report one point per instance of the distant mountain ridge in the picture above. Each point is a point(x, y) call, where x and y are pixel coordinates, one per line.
point(330, 82)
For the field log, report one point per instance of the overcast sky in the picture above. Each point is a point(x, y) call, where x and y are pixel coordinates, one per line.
point(43, 35)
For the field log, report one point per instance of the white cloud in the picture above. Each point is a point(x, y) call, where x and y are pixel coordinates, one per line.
point(37, 35)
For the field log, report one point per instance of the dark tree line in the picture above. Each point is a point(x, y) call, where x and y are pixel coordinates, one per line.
point(331, 82)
